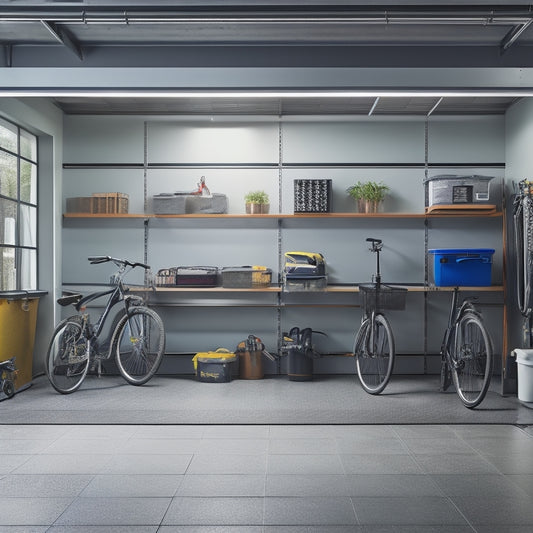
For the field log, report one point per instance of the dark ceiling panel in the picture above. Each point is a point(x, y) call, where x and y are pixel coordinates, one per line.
point(25, 33)
point(325, 106)
point(412, 106)
point(405, 106)
point(276, 33)
point(474, 105)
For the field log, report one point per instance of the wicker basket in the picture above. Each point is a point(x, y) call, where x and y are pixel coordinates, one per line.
point(379, 297)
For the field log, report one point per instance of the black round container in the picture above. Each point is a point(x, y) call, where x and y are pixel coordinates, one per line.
point(299, 366)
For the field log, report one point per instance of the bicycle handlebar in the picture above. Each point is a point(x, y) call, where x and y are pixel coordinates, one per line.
point(105, 258)
point(99, 259)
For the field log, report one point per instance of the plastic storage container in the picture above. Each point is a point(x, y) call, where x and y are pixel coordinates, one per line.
point(304, 271)
point(246, 277)
point(451, 189)
point(196, 276)
point(214, 367)
point(470, 267)
point(524, 361)
point(305, 284)
point(18, 318)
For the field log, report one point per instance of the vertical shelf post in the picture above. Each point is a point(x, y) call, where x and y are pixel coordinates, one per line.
point(280, 243)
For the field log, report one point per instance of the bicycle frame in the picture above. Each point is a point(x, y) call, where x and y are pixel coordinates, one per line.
point(467, 362)
point(377, 246)
point(117, 295)
point(136, 338)
point(454, 315)
point(374, 342)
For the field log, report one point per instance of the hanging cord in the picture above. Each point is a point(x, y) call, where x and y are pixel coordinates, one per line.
point(523, 223)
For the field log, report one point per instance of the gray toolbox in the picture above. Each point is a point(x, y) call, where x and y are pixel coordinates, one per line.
point(246, 277)
point(188, 276)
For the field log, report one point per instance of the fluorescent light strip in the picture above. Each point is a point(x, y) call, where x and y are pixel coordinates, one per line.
point(72, 93)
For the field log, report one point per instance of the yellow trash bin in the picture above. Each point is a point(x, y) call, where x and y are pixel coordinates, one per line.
point(18, 318)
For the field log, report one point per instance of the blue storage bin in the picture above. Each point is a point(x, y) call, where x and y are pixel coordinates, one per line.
point(469, 267)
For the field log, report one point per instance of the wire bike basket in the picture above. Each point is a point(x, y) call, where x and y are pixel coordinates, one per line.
point(379, 297)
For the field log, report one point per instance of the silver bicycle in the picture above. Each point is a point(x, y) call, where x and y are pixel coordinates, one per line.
point(374, 343)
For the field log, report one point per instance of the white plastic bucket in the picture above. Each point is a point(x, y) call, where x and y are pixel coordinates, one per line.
point(524, 360)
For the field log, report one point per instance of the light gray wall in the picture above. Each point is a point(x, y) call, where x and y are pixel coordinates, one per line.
point(207, 323)
point(46, 121)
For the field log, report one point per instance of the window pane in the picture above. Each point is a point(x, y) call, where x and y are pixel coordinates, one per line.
point(8, 175)
point(28, 226)
point(28, 182)
point(28, 145)
point(8, 136)
point(8, 277)
point(28, 270)
point(8, 222)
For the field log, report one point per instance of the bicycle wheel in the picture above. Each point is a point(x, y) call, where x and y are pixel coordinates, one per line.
point(139, 342)
point(67, 359)
point(374, 354)
point(471, 359)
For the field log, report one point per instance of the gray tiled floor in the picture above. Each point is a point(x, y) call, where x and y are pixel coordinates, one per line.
point(266, 478)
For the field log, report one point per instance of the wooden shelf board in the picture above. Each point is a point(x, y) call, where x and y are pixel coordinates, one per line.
point(280, 216)
point(271, 289)
point(104, 215)
point(329, 289)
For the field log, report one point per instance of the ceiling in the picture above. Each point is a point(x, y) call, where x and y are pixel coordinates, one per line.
point(359, 106)
point(281, 33)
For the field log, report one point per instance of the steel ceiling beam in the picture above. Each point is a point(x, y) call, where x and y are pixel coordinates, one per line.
point(64, 37)
point(7, 50)
point(455, 16)
point(514, 34)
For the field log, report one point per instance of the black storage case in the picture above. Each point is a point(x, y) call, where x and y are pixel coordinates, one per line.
point(188, 276)
point(312, 196)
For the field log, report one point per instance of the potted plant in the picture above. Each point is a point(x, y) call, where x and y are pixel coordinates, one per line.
point(257, 203)
point(368, 194)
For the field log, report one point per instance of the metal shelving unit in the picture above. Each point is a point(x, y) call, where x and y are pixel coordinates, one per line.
point(273, 296)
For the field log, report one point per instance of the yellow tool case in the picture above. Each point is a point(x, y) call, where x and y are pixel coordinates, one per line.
point(214, 367)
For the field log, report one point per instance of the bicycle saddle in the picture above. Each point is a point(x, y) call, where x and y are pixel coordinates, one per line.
point(69, 299)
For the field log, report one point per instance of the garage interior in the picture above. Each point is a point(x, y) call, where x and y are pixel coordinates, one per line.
point(147, 97)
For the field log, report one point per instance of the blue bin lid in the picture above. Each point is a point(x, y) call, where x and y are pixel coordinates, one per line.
point(459, 251)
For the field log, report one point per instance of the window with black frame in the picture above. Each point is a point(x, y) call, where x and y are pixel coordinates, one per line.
point(18, 208)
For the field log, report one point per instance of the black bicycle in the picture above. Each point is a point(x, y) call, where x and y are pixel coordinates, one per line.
point(466, 353)
point(136, 338)
point(374, 343)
